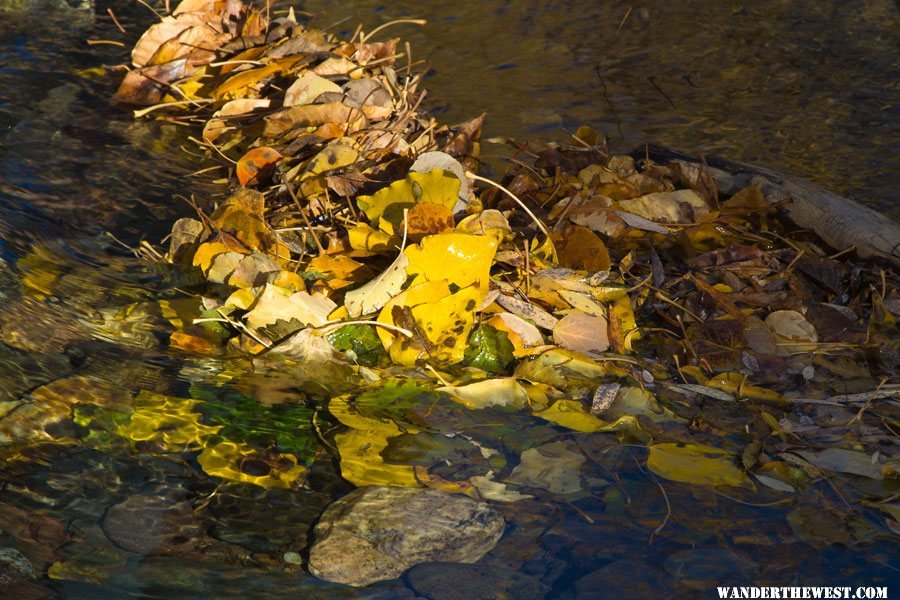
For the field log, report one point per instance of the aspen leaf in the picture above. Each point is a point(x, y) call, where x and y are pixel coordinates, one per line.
point(581, 332)
point(459, 258)
point(437, 187)
point(695, 463)
point(377, 292)
point(499, 391)
point(257, 165)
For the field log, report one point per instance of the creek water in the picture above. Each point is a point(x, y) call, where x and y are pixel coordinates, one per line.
point(803, 87)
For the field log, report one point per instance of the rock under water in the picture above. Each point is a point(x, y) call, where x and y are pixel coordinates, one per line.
point(377, 533)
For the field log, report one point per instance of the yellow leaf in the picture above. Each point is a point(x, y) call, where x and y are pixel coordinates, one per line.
point(571, 414)
point(458, 258)
point(275, 304)
point(438, 187)
point(695, 463)
point(559, 368)
point(363, 237)
point(623, 329)
point(207, 252)
point(581, 332)
point(241, 85)
point(440, 321)
point(525, 337)
point(500, 391)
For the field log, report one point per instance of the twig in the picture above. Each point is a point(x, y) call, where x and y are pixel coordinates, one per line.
point(112, 15)
point(537, 221)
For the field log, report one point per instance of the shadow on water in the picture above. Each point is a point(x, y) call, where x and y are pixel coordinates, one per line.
point(110, 511)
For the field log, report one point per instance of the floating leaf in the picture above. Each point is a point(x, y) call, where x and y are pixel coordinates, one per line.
point(502, 391)
point(360, 449)
point(171, 422)
point(278, 304)
point(695, 463)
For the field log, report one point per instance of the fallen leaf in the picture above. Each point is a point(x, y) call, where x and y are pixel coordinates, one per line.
point(257, 165)
point(696, 464)
point(499, 391)
point(307, 88)
point(581, 332)
point(376, 293)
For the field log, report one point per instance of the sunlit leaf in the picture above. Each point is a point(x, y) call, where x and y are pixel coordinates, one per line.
point(436, 187)
point(257, 165)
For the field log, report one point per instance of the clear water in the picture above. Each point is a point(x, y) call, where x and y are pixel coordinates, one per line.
point(802, 87)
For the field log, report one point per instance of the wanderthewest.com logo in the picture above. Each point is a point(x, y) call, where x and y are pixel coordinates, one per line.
point(779, 593)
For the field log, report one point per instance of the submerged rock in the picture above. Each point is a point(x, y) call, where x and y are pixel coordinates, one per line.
point(377, 533)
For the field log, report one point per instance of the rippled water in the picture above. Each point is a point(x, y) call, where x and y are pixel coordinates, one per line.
point(804, 87)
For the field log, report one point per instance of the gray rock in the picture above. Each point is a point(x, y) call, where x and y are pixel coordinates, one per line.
point(377, 533)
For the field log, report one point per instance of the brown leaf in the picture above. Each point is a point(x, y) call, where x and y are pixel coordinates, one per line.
point(428, 218)
point(580, 248)
point(314, 115)
point(581, 332)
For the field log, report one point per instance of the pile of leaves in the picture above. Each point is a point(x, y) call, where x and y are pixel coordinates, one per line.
point(591, 291)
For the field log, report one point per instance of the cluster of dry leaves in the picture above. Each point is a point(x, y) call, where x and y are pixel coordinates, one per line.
point(597, 291)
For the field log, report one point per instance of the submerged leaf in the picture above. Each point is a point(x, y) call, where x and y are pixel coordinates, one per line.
point(695, 463)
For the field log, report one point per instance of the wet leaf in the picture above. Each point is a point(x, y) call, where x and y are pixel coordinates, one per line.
point(360, 449)
point(277, 304)
point(359, 342)
point(554, 467)
point(505, 391)
point(170, 422)
point(792, 332)
point(237, 462)
point(696, 464)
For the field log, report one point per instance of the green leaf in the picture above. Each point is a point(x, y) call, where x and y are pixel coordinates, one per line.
point(489, 350)
point(359, 341)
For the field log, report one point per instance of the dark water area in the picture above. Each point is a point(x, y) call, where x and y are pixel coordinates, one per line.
point(808, 88)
